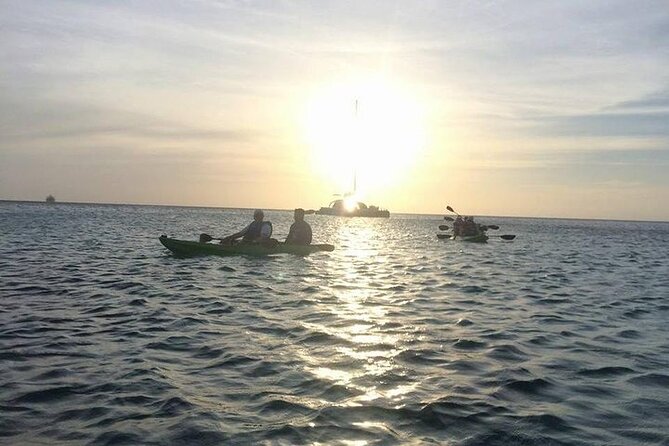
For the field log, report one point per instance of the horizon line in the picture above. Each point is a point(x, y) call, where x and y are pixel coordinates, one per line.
point(3, 200)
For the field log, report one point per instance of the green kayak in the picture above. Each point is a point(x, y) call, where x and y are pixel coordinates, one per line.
point(479, 238)
point(190, 248)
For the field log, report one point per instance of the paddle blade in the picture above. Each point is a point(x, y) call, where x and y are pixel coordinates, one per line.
point(450, 209)
point(442, 236)
point(205, 238)
point(507, 236)
point(495, 227)
point(443, 227)
point(447, 218)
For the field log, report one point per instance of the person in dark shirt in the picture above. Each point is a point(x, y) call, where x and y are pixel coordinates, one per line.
point(470, 227)
point(300, 231)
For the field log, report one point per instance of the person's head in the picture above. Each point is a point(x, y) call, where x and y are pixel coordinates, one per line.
point(298, 214)
point(258, 215)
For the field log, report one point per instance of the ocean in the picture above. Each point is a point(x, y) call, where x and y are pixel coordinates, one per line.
point(559, 337)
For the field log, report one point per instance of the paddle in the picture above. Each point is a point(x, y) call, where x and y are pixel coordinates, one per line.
point(451, 209)
point(494, 227)
point(271, 243)
point(206, 238)
point(443, 227)
point(325, 247)
point(443, 235)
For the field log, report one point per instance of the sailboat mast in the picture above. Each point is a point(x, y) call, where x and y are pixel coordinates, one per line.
point(355, 171)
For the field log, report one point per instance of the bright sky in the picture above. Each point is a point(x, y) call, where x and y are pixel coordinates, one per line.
point(500, 108)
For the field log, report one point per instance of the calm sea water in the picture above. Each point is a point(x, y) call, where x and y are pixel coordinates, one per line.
point(559, 337)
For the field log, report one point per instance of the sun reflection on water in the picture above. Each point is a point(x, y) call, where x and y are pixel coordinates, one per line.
point(365, 360)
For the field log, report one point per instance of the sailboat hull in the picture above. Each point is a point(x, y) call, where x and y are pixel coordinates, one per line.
point(371, 213)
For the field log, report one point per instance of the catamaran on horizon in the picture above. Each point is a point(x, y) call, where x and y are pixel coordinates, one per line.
point(350, 207)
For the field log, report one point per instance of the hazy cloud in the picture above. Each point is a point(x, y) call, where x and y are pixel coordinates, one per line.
point(654, 101)
point(651, 124)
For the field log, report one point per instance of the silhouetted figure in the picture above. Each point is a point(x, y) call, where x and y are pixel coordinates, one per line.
point(469, 228)
point(258, 231)
point(300, 231)
point(457, 226)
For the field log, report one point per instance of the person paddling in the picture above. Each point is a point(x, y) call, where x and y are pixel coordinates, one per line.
point(458, 226)
point(469, 228)
point(300, 231)
point(258, 231)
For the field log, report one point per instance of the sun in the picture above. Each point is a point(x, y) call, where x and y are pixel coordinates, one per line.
point(373, 129)
point(350, 203)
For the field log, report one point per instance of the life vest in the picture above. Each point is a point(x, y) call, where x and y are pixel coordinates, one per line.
point(255, 230)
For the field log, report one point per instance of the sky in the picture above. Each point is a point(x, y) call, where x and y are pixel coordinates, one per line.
point(523, 108)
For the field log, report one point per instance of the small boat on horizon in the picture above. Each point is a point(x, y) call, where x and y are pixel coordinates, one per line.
point(350, 207)
point(345, 208)
point(50, 199)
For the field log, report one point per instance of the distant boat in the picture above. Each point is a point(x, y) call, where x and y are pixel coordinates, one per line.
point(50, 199)
point(358, 209)
point(348, 206)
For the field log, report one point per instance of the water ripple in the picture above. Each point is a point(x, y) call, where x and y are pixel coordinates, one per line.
point(394, 338)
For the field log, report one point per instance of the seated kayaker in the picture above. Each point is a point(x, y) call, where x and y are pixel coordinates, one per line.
point(457, 226)
point(469, 228)
point(300, 231)
point(258, 231)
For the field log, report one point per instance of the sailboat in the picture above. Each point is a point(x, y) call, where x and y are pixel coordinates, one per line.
point(348, 206)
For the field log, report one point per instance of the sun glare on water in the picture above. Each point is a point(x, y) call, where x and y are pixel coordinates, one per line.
point(372, 128)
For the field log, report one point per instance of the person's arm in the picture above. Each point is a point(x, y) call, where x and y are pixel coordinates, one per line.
point(307, 237)
point(241, 233)
point(291, 234)
point(236, 235)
